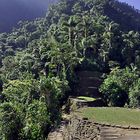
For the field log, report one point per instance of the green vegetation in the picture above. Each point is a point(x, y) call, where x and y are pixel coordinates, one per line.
point(121, 87)
point(109, 115)
point(39, 61)
point(134, 94)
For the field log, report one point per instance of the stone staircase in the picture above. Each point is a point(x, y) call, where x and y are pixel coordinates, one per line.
point(107, 133)
point(82, 128)
point(112, 133)
point(89, 82)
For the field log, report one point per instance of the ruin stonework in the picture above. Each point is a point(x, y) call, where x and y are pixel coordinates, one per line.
point(78, 128)
point(81, 129)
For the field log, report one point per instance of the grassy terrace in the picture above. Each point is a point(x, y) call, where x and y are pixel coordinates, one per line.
point(117, 116)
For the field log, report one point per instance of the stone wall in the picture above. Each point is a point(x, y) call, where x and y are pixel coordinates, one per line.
point(81, 129)
point(78, 128)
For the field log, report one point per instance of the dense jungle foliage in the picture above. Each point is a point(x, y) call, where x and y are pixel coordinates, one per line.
point(39, 59)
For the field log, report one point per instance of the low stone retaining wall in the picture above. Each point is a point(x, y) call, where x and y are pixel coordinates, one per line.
point(79, 128)
point(75, 103)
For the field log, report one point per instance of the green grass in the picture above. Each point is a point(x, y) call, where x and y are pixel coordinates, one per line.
point(88, 99)
point(117, 116)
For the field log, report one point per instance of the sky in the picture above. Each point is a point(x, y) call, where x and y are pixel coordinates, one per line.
point(12, 11)
point(135, 3)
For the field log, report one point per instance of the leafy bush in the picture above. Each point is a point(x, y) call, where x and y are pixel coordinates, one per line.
point(113, 94)
point(134, 95)
point(37, 121)
point(10, 122)
point(24, 111)
point(116, 86)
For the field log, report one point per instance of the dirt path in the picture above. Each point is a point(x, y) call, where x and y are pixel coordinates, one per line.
point(57, 134)
point(109, 133)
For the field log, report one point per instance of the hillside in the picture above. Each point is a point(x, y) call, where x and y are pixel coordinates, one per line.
point(40, 61)
point(14, 10)
point(122, 13)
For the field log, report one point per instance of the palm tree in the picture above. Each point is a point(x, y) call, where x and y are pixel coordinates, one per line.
point(132, 41)
point(70, 25)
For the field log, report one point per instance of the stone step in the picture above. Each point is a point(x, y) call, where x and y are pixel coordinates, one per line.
point(89, 74)
point(88, 91)
point(110, 135)
point(109, 138)
point(91, 81)
point(108, 131)
point(129, 138)
point(89, 88)
point(90, 78)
